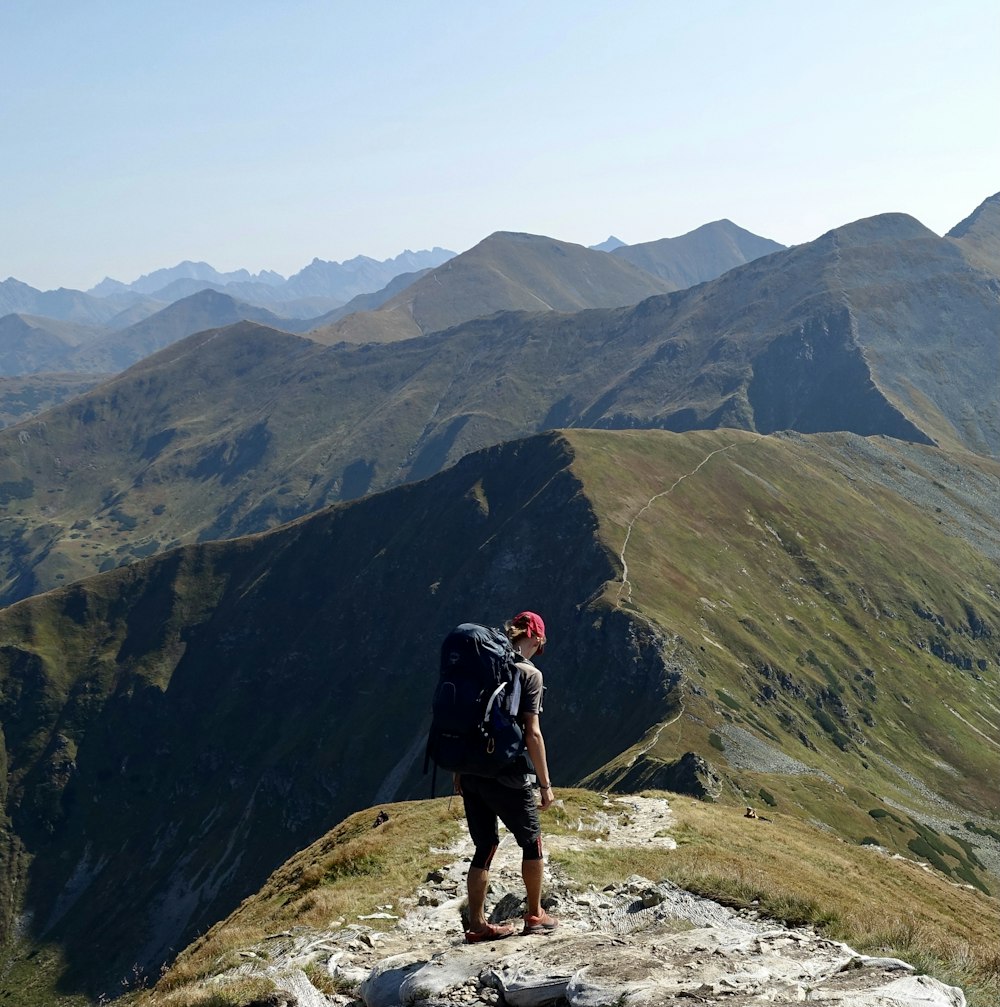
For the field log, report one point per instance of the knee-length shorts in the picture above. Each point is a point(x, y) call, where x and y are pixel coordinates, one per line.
point(487, 800)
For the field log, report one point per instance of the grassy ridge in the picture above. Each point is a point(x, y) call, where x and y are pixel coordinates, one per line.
point(832, 619)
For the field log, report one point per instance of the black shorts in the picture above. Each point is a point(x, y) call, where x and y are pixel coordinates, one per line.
point(487, 800)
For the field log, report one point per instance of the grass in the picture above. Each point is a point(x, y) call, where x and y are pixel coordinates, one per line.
point(350, 872)
point(31, 974)
point(796, 596)
point(786, 869)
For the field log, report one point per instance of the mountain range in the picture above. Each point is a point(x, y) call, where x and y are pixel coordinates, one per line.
point(529, 272)
point(760, 514)
point(317, 288)
point(505, 272)
point(337, 280)
point(878, 327)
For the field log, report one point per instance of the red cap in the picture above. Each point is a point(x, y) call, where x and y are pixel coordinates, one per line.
point(533, 626)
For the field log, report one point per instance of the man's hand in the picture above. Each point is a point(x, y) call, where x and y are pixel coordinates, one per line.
point(547, 797)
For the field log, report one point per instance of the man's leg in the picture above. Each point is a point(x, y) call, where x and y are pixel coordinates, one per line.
point(533, 872)
point(482, 821)
point(519, 812)
point(476, 885)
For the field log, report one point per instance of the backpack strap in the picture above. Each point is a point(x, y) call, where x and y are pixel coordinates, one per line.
point(515, 693)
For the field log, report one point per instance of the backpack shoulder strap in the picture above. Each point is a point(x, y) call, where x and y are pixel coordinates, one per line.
point(515, 693)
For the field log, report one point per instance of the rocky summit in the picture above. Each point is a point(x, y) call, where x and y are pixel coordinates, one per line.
point(633, 942)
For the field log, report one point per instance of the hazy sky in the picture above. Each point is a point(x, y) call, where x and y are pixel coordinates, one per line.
point(262, 134)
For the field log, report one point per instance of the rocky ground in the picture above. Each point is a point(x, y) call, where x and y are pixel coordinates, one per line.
point(636, 943)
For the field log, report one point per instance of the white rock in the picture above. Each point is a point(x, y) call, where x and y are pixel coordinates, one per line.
point(381, 988)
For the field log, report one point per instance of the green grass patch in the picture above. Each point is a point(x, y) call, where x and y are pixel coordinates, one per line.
point(724, 696)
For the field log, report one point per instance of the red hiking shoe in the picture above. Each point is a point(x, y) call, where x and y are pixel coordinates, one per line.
point(543, 924)
point(493, 932)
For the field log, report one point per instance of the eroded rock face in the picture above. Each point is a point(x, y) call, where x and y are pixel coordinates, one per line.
point(690, 774)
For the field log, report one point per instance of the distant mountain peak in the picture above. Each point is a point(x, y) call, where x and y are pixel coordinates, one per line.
point(516, 236)
point(108, 286)
point(699, 255)
point(609, 244)
point(881, 227)
point(978, 235)
point(984, 219)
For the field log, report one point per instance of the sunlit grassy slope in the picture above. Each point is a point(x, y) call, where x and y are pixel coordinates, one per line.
point(841, 615)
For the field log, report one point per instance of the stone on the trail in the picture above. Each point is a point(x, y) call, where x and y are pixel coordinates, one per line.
point(381, 988)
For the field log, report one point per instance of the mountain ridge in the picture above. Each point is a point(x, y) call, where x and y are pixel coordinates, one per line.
point(879, 328)
point(979, 234)
point(700, 255)
point(224, 675)
point(505, 271)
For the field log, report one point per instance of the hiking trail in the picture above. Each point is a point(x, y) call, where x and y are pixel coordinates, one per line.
point(637, 941)
point(626, 583)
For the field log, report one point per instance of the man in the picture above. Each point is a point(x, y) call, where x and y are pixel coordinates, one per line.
point(511, 799)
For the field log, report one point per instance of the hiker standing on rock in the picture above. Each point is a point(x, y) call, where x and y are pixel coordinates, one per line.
point(511, 799)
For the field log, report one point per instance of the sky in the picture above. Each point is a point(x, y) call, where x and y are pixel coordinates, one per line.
point(260, 134)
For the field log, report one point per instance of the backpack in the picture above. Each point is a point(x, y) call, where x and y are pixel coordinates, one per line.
point(474, 726)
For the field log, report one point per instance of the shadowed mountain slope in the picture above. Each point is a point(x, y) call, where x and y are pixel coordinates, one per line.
point(879, 327)
point(504, 272)
point(791, 611)
point(700, 255)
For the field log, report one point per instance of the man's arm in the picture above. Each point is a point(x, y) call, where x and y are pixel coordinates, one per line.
point(535, 744)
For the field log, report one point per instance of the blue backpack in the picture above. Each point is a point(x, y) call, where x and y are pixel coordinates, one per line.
point(474, 726)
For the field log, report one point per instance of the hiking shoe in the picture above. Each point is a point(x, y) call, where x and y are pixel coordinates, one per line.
point(543, 924)
point(493, 932)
